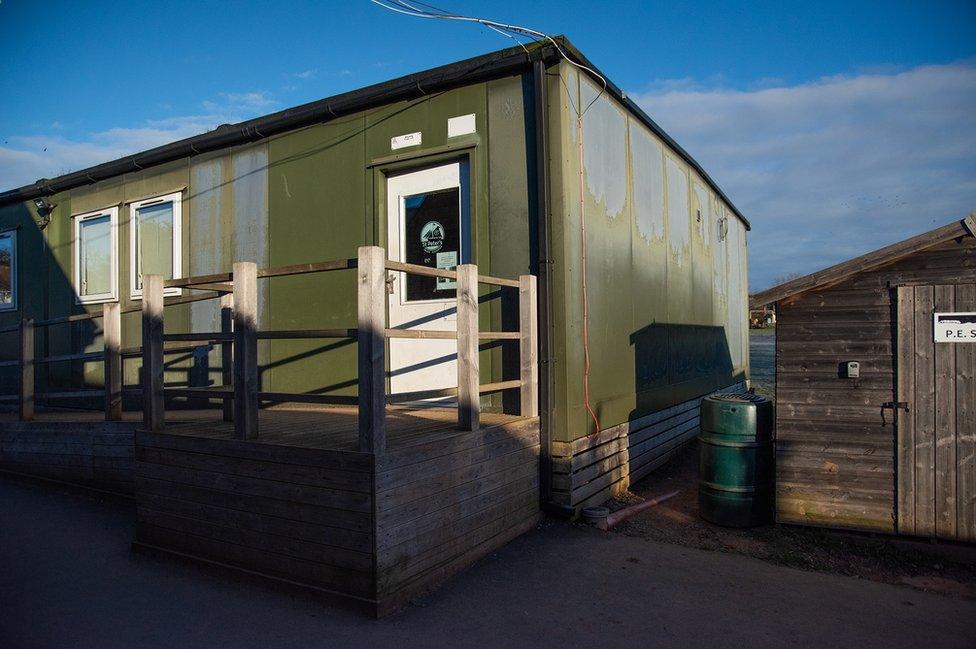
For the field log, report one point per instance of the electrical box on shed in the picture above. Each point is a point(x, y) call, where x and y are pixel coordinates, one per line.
point(853, 369)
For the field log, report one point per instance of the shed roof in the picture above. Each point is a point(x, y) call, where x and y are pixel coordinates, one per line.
point(882, 256)
point(480, 68)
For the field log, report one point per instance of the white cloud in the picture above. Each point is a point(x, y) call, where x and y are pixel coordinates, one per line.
point(26, 158)
point(835, 168)
point(304, 74)
point(240, 102)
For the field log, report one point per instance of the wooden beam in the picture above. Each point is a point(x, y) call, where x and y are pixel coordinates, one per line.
point(112, 340)
point(182, 282)
point(905, 421)
point(420, 334)
point(528, 346)
point(219, 287)
point(26, 369)
point(498, 386)
point(245, 350)
point(306, 334)
point(970, 223)
point(153, 414)
point(302, 269)
point(227, 352)
point(372, 357)
point(469, 399)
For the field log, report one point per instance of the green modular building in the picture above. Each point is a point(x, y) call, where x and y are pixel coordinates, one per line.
point(482, 161)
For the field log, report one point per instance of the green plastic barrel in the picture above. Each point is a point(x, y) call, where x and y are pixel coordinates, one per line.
point(736, 460)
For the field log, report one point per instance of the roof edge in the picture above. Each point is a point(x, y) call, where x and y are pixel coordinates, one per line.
point(868, 261)
point(638, 112)
point(411, 86)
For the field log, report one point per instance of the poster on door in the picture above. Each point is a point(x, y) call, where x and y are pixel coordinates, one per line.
point(432, 238)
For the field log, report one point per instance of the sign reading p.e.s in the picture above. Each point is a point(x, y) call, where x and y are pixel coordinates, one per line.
point(955, 327)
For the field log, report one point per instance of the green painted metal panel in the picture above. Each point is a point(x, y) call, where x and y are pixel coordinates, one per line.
point(659, 334)
point(318, 205)
point(512, 227)
point(327, 197)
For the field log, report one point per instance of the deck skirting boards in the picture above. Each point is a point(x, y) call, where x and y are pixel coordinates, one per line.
point(590, 470)
point(99, 455)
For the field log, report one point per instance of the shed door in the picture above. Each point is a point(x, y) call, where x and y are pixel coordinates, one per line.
point(427, 224)
point(936, 450)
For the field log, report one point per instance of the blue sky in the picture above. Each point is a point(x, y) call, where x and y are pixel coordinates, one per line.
point(836, 127)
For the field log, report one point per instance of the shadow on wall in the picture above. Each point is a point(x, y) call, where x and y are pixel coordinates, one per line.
point(40, 283)
point(44, 291)
point(678, 362)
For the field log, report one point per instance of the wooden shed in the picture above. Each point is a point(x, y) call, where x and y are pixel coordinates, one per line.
point(875, 389)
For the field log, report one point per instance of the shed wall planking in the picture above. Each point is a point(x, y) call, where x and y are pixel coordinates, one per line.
point(835, 458)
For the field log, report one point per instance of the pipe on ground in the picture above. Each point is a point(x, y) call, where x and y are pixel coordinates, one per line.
point(609, 521)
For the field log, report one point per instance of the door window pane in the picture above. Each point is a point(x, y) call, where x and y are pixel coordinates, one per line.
point(154, 240)
point(432, 238)
point(8, 273)
point(95, 256)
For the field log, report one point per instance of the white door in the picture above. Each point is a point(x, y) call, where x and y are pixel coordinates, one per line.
point(428, 222)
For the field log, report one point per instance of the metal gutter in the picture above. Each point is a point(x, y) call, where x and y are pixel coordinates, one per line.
point(544, 273)
point(480, 68)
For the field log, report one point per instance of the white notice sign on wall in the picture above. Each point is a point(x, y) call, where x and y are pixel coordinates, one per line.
point(461, 125)
point(955, 327)
point(403, 141)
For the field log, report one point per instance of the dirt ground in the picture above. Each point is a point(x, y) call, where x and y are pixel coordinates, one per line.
point(949, 569)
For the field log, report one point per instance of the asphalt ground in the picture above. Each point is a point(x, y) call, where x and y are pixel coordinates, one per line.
point(69, 578)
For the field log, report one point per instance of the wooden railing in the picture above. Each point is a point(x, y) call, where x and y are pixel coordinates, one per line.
point(240, 390)
point(112, 354)
point(241, 382)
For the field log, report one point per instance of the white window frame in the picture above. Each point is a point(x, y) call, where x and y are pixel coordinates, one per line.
point(113, 294)
point(14, 262)
point(177, 199)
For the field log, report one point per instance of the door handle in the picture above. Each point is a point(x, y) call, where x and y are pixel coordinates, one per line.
point(390, 278)
point(895, 407)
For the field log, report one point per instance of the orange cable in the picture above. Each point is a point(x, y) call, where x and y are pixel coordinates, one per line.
point(586, 304)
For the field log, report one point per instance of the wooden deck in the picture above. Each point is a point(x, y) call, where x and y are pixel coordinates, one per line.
point(333, 427)
point(302, 503)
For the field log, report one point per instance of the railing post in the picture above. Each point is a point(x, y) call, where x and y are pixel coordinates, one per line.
point(26, 369)
point(371, 308)
point(112, 337)
point(245, 350)
point(153, 413)
point(227, 352)
point(469, 396)
point(528, 347)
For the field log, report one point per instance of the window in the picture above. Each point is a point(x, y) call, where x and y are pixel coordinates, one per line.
point(155, 240)
point(96, 256)
point(8, 270)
